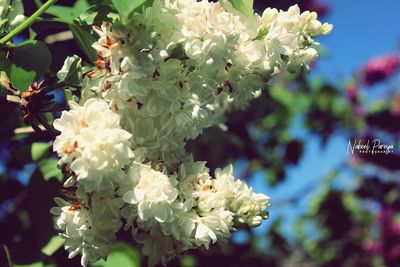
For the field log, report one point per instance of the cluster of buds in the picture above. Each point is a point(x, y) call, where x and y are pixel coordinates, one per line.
point(33, 103)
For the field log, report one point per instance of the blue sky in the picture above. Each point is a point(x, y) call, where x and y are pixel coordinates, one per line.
point(362, 30)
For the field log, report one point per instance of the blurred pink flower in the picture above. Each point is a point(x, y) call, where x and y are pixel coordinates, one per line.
point(321, 8)
point(351, 91)
point(387, 245)
point(379, 69)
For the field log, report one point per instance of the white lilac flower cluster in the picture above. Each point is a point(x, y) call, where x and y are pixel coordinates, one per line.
point(159, 80)
point(11, 14)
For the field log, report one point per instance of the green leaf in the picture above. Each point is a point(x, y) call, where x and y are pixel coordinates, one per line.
point(68, 13)
point(68, 95)
point(282, 95)
point(49, 169)
point(85, 40)
point(121, 254)
point(54, 244)
point(32, 34)
point(261, 34)
point(38, 3)
point(97, 14)
point(243, 6)
point(36, 264)
point(38, 150)
point(188, 261)
point(31, 60)
point(21, 78)
point(126, 7)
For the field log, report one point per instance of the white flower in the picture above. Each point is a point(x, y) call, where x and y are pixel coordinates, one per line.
point(212, 226)
point(108, 47)
point(181, 65)
point(159, 81)
point(92, 144)
point(226, 194)
point(158, 248)
point(290, 34)
point(153, 192)
point(247, 206)
point(62, 74)
point(78, 227)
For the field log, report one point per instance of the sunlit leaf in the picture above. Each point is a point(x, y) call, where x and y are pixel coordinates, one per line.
point(32, 34)
point(30, 60)
point(68, 13)
point(126, 7)
point(282, 95)
point(244, 6)
point(121, 254)
point(68, 94)
point(49, 169)
point(21, 78)
point(188, 261)
point(36, 264)
point(261, 34)
point(97, 14)
point(54, 244)
point(39, 149)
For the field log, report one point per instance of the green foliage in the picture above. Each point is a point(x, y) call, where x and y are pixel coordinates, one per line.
point(29, 60)
point(49, 169)
point(188, 261)
point(261, 34)
point(244, 6)
point(21, 78)
point(283, 96)
point(54, 244)
point(68, 94)
point(127, 7)
point(68, 13)
point(97, 14)
point(36, 264)
point(80, 18)
point(39, 150)
point(121, 254)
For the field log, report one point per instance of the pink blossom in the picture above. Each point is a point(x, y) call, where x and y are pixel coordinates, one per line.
point(321, 8)
point(351, 91)
point(379, 69)
point(387, 245)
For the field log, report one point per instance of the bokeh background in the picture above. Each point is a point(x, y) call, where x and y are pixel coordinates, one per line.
point(329, 207)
